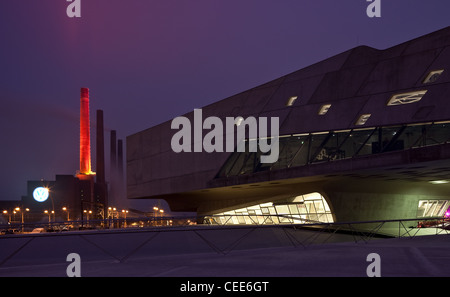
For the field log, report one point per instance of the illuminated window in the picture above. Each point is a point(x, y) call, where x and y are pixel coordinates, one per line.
point(406, 98)
point(433, 76)
point(362, 119)
point(309, 208)
point(432, 208)
point(324, 109)
point(291, 101)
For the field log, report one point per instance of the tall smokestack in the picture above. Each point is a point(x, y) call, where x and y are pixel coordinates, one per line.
point(120, 158)
point(100, 149)
point(113, 168)
point(120, 181)
point(100, 186)
point(85, 136)
point(113, 155)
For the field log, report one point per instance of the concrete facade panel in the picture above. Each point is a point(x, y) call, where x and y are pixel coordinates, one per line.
point(303, 90)
point(436, 39)
point(358, 81)
point(341, 84)
point(256, 101)
point(399, 73)
point(227, 107)
point(341, 116)
point(331, 64)
point(441, 62)
point(134, 146)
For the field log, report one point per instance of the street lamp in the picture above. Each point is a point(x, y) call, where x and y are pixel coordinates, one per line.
point(46, 212)
point(125, 216)
point(87, 212)
point(161, 211)
point(22, 213)
point(155, 212)
point(5, 212)
point(65, 209)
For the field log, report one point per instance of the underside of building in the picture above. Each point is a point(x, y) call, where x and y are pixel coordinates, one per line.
point(363, 135)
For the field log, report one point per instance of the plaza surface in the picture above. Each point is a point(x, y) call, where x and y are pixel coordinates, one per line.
point(245, 252)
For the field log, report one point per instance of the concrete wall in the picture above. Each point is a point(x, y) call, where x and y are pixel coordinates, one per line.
point(119, 246)
point(355, 82)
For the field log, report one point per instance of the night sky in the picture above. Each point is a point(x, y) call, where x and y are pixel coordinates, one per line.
point(148, 61)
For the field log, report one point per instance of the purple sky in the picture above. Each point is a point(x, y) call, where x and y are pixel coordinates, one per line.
point(147, 61)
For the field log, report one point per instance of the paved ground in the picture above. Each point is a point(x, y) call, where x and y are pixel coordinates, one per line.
point(419, 256)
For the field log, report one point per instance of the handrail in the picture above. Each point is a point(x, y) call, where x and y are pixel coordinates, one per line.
point(184, 221)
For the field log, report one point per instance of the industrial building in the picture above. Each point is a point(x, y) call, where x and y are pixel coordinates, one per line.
point(80, 196)
point(363, 136)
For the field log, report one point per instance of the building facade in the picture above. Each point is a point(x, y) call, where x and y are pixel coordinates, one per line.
point(363, 136)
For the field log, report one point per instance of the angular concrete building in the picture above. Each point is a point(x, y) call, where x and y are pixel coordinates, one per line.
point(363, 136)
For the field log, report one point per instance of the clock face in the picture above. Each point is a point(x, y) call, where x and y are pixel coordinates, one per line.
point(40, 194)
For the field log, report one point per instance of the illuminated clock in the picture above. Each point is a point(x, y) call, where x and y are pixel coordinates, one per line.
point(40, 194)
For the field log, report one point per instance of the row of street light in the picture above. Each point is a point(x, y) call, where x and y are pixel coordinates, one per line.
point(14, 211)
point(25, 210)
point(113, 213)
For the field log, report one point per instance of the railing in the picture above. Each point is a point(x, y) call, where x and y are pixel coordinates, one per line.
point(361, 230)
point(202, 238)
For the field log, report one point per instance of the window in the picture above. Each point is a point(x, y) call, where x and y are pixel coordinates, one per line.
point(406, 98)
point(291, 101)
point(309, 208)
point(362, 119)
point(433, 76)
point(324, 109)
point(306, 148)
point(432, 208)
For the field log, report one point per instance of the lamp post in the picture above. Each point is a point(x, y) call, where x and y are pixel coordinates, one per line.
point(87, 212)
point(161, 211)
point(65, 209)
point(125, 216)
point(22, 213)
point(155, 211)
point(5, 212)
point(48, 213)
point(109, 216)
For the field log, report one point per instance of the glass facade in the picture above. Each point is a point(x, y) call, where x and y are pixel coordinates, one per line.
point(310, 208)
point(302, 149)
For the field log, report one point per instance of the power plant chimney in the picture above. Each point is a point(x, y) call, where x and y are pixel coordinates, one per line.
point(85, 135)
point(113, 154)
point(100, 186)
point(85, 174)
point(120, 158)
point(100, 149)
point(113, 167)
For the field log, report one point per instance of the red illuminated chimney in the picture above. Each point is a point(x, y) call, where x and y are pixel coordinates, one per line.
point(85, 136)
